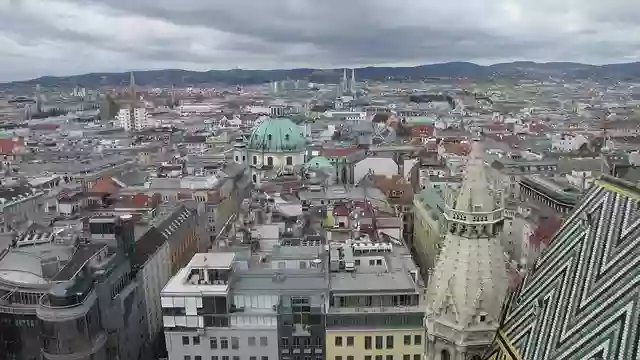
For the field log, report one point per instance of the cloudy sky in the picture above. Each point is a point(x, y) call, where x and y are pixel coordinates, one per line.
point(64, 37)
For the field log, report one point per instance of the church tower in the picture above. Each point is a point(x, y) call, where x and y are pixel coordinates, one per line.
point(469, 282)
point(132, 87)
point(352, 83)
point(345, 82)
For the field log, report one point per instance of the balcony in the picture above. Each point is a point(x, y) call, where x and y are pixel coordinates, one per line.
point(49, 312)
point(376, 309)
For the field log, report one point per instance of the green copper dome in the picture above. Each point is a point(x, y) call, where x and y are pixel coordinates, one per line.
point(277, 135)
point(318, 162)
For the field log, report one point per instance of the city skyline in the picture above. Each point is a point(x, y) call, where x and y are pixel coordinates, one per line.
point(66, 37)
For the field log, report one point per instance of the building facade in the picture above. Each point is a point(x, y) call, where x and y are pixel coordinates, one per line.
point(375, 309)
point(133, 118)
point(203, 319)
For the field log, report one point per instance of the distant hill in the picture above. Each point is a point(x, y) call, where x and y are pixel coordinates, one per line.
point(521, 69)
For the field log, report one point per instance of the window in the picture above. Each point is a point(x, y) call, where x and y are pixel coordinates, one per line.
point(289, 160)
point(483, 318)
point(417, 356)
point(198, 357)
point(367, 357)
point(196, 340)
point(264, 342)
point(378, 357)
point(338, 357)
point(350, 357)
point(379, 262)
point(285, 341)
point(372, 262)
point(213, 342)
point(406, 357)
point(255, 160)
point(215, 357)
point(236, 357)
point(407, 339)
point(444, 355)
point(225, 358)
point(264, 357)
point(417, 339)
point(338, 341)
point(389, 357)
point(235, 343)
point(253, 358)
point(224, 343)
point(185, 340)
point(251, 341)
point(270, 161)
point(379, 342)
point(367, 342)
point(390, 342)
point(349, 340)
point(187, 357)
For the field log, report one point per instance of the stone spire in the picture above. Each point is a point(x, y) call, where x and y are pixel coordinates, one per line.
point(469, 281)
point(475, 194)
point(132, 86)
point(352, 83)
point(345, 83)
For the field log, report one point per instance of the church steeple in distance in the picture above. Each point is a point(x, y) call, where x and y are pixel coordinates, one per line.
point(352, 84)
point(132, 86)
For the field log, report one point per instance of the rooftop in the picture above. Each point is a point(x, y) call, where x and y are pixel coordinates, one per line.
point(206, 274)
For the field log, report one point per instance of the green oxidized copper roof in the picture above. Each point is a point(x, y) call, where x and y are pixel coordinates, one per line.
point(318, 162)
point(277, 135)
point(420, 120)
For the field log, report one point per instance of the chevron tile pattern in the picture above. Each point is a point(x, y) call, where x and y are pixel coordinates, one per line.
point(582, 298)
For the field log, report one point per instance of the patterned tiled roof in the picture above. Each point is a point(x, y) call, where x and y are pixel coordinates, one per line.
point(581, 300)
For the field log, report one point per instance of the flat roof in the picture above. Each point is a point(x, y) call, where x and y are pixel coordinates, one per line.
point(180, 285)
point(219, 260)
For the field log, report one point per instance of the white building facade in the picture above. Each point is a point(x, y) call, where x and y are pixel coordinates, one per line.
point(133, 119)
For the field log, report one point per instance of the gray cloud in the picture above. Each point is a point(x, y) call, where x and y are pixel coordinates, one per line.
point(39, 37)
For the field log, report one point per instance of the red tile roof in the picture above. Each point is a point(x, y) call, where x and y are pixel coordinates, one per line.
point(7, 146)
point(422, 131)
point(457, 148)
point(543, 234)
point(105, 186)
point(337, 152)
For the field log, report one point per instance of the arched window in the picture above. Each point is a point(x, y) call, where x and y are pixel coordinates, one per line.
point(444, 355)
point(255, 178)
